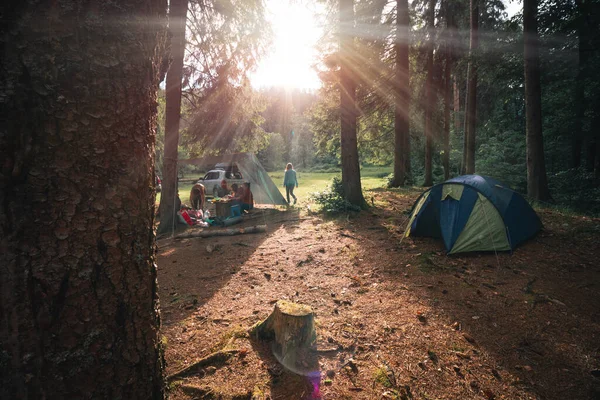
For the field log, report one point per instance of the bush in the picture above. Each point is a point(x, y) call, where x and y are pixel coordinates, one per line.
point(576, 189)
point(332, 198)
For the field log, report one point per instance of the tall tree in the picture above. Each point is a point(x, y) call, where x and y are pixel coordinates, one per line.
point(349, 149)
point(401, 95)
point(471, 102)
point(429, 95)
point(78, 294)
point(177, 23)
point(447, 87)
point(537, 183)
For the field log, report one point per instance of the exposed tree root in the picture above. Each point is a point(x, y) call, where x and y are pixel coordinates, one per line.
point(218, 358)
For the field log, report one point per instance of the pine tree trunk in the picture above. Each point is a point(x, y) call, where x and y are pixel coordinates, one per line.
point(448, 90)
point(402, 95)
point(349, 147)
point(585, 48)
point(429, 97)
point(447, 103)
point(456, 108)
point(78, 295)
point(537, 184)
point(177, 22)
point(471, 106)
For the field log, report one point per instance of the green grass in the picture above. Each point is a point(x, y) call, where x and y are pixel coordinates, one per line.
point(308, 182)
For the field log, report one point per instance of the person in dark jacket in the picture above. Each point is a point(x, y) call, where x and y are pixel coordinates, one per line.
point(289, 181)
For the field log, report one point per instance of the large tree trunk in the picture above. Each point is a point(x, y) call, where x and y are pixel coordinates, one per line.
point(349, 148)
point(177, 21)
point(471, 103)
point(447, 102)
point(448, 90)
point(401, 95)
point(537, 184)
point(456, 108)
point(429, 97)
point(585, 49)
point(78, 295)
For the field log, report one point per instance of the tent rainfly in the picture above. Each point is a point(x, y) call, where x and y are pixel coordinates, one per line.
point(473, 213)
point(263, 188)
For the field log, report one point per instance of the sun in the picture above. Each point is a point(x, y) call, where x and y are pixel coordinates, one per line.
point(289, 60)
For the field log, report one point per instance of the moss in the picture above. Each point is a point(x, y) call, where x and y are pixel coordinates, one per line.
point(380, 375)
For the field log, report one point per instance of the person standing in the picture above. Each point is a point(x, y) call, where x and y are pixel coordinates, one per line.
point(289, 181)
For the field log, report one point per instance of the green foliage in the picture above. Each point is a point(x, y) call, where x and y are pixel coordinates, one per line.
point(332, 199)
point(577, 188)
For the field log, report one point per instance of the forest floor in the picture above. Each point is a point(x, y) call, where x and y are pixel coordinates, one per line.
point(394, 320)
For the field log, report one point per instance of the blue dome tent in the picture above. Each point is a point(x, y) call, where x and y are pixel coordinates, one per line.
point(473, 213)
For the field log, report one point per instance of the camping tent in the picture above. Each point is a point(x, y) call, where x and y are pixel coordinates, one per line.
point(473, 213)
point(263, 189)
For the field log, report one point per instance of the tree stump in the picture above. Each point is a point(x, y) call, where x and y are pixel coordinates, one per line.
point(291, 326)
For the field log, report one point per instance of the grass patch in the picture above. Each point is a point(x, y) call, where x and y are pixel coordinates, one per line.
point(381, 376)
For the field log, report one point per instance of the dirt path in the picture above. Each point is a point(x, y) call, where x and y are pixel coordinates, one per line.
point(396, 321)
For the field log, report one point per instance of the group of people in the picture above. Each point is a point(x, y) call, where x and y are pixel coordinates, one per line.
point(239, 194)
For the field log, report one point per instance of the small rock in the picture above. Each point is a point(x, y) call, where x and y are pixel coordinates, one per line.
point(210, 370)
point(267, 276)
point(474, 385)
point(330, 373)
point(444, 291)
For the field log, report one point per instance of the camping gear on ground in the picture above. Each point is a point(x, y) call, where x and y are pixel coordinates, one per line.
point(264, 189)
point(473, 213)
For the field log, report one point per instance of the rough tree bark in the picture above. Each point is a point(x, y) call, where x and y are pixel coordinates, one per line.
point(456, 108)
point(401, 95)
point(447, 104)
point(78, 295)
point(537, 183)
point(429, 97)
point(471, 101)
point(585, 48)
point(177, 22)
point(349, 145)
point(448, 89)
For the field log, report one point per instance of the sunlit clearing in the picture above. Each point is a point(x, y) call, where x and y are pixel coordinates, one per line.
point(290, 58)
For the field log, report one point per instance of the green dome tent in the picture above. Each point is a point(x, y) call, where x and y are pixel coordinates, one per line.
point(473, 213)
